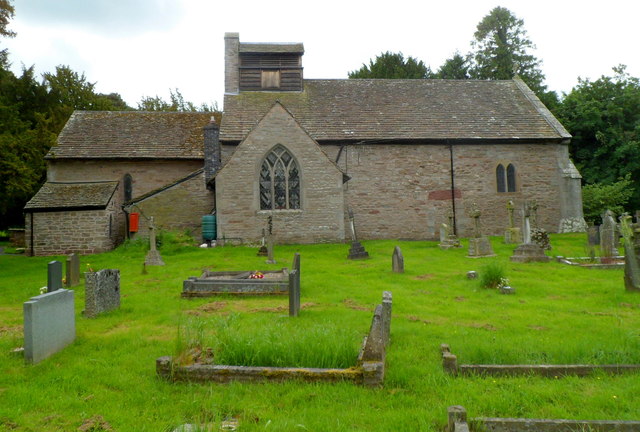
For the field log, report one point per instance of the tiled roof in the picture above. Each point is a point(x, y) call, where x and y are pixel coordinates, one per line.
point(370, 109)
point(132, 134)
point(275, 48)
point(70, 196)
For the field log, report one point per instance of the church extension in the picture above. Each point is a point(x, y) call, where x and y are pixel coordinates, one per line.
point(401, 154)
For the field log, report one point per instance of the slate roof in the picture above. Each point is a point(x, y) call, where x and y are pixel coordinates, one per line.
point(72, 196)
point(132, 134)
point(402, 110)
point(272, 48)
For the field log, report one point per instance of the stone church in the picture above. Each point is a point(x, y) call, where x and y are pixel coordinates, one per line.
point(400, 154)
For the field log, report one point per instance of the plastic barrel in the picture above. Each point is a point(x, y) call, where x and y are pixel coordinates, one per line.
point(209, 227)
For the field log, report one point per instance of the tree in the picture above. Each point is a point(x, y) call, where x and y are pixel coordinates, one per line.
point(604, 118)
point(457, 67)
point(177, 103)
point(598, 198)
point(501, 48)
point(392, 65)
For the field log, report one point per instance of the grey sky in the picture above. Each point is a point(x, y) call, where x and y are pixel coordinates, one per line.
point(145, 47)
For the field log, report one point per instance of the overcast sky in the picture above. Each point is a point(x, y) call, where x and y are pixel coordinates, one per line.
point(145, 47)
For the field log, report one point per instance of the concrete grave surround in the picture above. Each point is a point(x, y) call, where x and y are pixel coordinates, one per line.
point(49, 324)
point(102, 292)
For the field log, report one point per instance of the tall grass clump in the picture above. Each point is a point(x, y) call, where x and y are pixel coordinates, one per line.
point(283, 343)
point(491, 275)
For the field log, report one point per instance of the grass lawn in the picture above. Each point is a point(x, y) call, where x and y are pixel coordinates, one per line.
point(559, 314)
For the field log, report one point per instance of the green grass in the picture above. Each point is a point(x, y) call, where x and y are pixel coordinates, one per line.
point(559, 314)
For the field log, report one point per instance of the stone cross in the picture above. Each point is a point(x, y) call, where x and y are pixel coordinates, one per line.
point(444, 233)
point(152, 235)
point(54, 276)
point(352, 224)
point(527, 225)
point(397, 260)
point(73, 270)
point(451, 223)
point(510, 209)
point(475, 214)
point(533, 209)
point(153, 257)
point(263, 247)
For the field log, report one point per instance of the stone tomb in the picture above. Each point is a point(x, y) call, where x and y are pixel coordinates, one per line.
point(102, 292)
point(49, 324)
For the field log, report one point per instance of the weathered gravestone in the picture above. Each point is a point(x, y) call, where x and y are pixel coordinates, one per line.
point(153, 257)
point(263, 246)
point(631, 253)
point(73, 270)
point(54, 276)
point(49, 324)
point(479, 245)
point(294, 287)
point(528, 251)
point(512, 234)
point(608, 235)
point(397, 261)
point(102, 292)
point(357, 250)
point(448, 238)
point(270, 259)
point(593, 235)
point(538, 235)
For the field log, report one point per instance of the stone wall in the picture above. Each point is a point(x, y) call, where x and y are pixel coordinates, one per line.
point(64, 232)
point(404, 191)
point(321, 216)
point(179, 207)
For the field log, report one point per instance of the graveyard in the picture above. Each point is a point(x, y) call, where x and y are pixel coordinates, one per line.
point(106, 378)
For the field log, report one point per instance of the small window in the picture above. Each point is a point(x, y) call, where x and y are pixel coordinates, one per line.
point(128, 187)
point(279, 181)
point(270, 79)
point(506, 179)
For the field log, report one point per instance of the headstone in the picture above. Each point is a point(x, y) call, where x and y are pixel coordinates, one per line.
point(153, 257)
point(294, 287)
point(54, 276)
point(49, 324)
point(608, 235)
point(270, 259)
point(102, 292)
point(397, 261)
point(593, 234)
point(631, 254)
point(528, 251)
point(387, 305)
point(73, 270)
point(479, 245)
point(263, 248)
point(512, 233)
point(448, 239)
point(356, 251)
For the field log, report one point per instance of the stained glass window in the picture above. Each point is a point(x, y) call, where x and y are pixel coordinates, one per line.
point(506, 179)
point(511, 178)
point(279, 181)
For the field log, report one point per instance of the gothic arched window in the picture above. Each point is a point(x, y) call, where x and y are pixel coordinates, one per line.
point(506, 179)
point(279, 181)
point(128, 187)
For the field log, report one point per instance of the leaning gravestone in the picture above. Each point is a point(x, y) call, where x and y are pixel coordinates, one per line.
point(448, 238)
point(54, 276)
point(608, 235)
point(102, 292)
point(631, 254)
point(294, 287)
point(512, 234)
point(479, 245)
point(73, 270)
point(153, 257)
point(49, 324)
point(397, 261)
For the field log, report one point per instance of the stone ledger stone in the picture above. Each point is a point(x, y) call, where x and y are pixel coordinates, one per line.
point(529, 252)
point(102, 292)
point(49, 324)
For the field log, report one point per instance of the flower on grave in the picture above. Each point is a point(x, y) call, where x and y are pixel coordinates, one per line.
point(43, 290)
point(504, 282)
point(89, 268)
point(256, 275)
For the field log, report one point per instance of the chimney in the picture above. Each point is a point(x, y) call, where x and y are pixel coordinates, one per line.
point(211, 149)
point(231, 63)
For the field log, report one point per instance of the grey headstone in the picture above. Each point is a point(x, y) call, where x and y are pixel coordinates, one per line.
point(397, 260)
point(73, 270)
point(49, 324)
point(102, 292)
point(593, 233)
point(54, 276)
point(608, 235)
point(270, 259)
